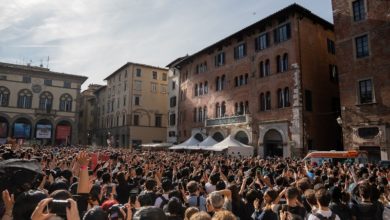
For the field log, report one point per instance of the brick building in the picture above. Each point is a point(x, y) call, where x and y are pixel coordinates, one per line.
point(272, 85)
point(362, 31)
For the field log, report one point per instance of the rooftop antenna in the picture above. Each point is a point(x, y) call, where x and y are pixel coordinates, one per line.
point(47, 64)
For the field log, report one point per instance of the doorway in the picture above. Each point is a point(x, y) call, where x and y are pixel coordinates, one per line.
point(273, 144)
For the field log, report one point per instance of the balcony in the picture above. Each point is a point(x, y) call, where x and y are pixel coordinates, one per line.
point(236, 119)
point(45, 112)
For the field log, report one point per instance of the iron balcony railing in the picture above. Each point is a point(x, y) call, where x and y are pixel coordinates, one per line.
point(236, 119)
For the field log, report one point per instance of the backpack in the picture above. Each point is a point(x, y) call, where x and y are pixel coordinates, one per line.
point(321, 217)
point(163, 202)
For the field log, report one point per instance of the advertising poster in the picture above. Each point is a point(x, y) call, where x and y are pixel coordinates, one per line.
point(63, 132)
point(43, 131)
point(3, 129)
point(22, 130)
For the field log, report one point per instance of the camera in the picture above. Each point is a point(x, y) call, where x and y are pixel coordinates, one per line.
point(58, 207)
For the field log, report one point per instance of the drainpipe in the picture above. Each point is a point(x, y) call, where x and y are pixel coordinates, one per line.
point(300, 17)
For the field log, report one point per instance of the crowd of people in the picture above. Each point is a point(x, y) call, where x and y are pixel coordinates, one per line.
point(101, 184)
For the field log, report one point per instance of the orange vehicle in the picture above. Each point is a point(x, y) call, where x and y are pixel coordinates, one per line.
point(334, 157)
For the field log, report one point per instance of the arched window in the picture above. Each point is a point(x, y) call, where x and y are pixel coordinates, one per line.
point(246, 78)
point(66, 103)
point(200, 113)
point(262, 70)
point(218, 110)
point(206, 87)
point(280, 98)
point(196, 90)
point(4, 96)
point(241, 80)
point(267, 68)
point(278, 64)
point(241, 109)
point(223, 109)
point(195, 114)
point(286, 97)
point(201, 89)
point(223, 79)
point(268, 101)
point(236, 108)
point(236, 81)
point(285, 62)
point(24, 99)
point(45, 101)
point(246, 107)
point(217, 84)
point(204, 113)
point(262, 102)
point(124, 119)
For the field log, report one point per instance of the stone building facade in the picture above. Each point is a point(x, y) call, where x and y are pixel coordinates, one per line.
point(38, 106)
point(362, 31)
point(132, 107)
point(272, 85)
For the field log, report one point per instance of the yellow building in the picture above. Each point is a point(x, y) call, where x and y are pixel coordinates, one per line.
point(38, 105)
point(132, 108)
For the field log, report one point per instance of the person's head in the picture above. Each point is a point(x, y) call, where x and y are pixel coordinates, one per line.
point(192, 187)
point(190, 212)
point(106, 178)
point(336, 194)
point(224, 215)
point(292, 193)
point(61, 195)
point(303, 184)
point(310, 196)
point(26, 203)
point(365, 191)
point(121, 177)
point(216, 200)
point(251, 196)
point(200, 216)
point(96, 213)
point(150, 184)
point(166, 185)
point(270, 196)
point(323, 197)
point(220, 185)
point(150, 213)
point(174, 207)
point(214, 178)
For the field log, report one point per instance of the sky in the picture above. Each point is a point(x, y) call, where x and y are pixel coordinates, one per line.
point(94, 38)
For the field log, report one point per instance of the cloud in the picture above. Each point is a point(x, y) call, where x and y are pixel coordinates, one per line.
point(95, 37)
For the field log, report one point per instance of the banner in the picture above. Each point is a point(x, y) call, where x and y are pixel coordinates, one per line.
point(62, 132)
point(43, 131)
point(3, 129)
point(22, 130)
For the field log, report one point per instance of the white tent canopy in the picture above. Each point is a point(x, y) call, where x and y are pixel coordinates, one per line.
point(156, 145)
point(189, 144)
point(207, 143)
point(233, 147)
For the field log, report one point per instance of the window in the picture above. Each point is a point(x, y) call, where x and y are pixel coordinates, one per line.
point(262, 102)
point(308, 100)
point(158, 120)
point(217, 110)
point(267, 101)
point(200, 114)
point(222, 84)
point(331, 46)
point(136, 120)
point(240, 51)
point(283, 98)
point(220, 59)
point(48, 82)
point(124, 101)
point(172, 119)
point(67, 84)
point(138, 85)
point(154, 73)
point(278, 64)
point(138, 72)
point(246, 79)
point(26, 79)
point(361, 44)
point(4, 96)
point(262, 42)
point(286, 97)
point(45, 101)
point(196, 90)
point(365, 91)
point(172, 134)
point(358, 10)
point(236, 83)
point(154, 87)
point(66, 103)
point(125, 73)
point(223, 109)
point(163, 88)
point(172, 102)
point(204, 112)
point(137, 100)
point(123, 119)
point(285, 62)
point(124, 86)
point(118, 103)
point(264, 68)
point(206, 87)
point(25, 99)
point(280, 98)
point(333, 73)
point(282, 33)
point(201, 89)
point(173, 84)
point(3, 77)
point(164, 77)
